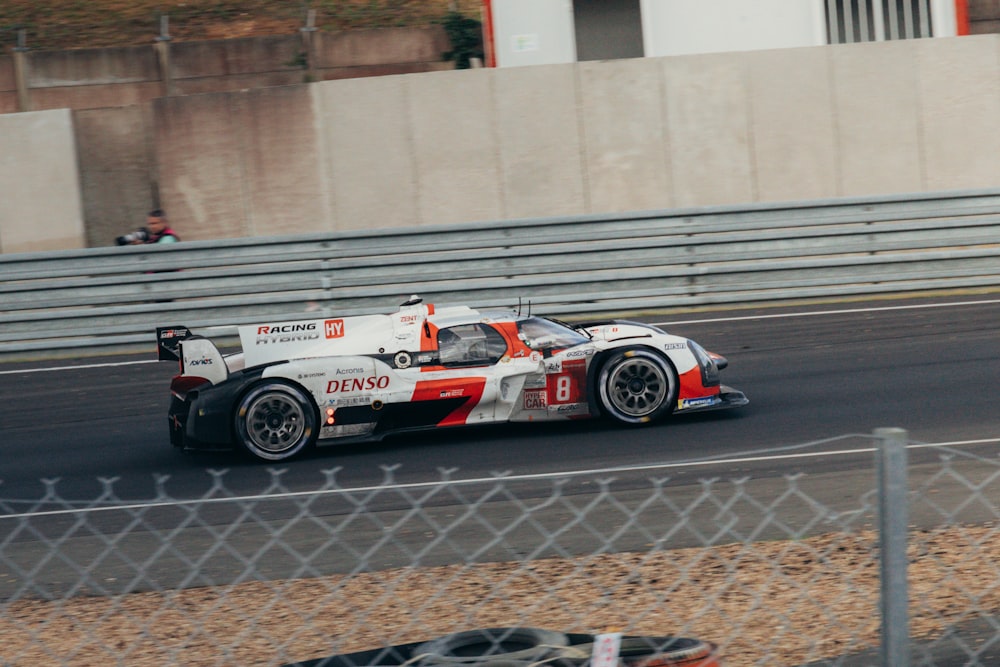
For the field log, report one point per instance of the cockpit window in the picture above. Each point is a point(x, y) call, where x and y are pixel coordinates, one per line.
point(539, 333)
point(470, 345)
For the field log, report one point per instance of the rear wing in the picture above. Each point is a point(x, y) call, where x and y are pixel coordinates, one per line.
point(168, 341)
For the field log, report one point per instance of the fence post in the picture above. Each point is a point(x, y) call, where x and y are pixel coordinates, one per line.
point(21, 81)
point(308, 32)
point(162, 47)
point(893, 513)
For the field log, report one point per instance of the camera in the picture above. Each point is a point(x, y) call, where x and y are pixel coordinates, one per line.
point(141, 235)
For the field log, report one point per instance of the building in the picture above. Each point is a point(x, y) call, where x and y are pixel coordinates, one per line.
point(536, 32)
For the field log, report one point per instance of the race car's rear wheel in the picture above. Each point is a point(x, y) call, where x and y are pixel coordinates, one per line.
point(275, 421)
point(636, 386)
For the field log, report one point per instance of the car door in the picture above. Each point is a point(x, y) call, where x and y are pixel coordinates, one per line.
point(464, 384)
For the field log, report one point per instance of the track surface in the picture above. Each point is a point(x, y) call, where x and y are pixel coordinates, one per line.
point(811, 373)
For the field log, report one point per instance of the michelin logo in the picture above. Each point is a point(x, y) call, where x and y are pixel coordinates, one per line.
point(696, 402)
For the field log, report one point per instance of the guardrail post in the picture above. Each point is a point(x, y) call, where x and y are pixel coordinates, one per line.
point(893, 513)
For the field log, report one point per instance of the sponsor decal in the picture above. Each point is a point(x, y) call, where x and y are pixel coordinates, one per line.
point(334, 328)
point(472, 392)
point(200, 362)
point(345, 430)
point(286, 338)
point(569, 385)
point(674, 346)
point(452, 393)
point(270, 334)
point(350, 371)
point(306, 376)
point(696, 402)
point(357, 384)
point(576, 354)
point(534, 382)
point(348, 401)
point(535, 399)
point(267, 330)
point(569, 408)
point(409, 319)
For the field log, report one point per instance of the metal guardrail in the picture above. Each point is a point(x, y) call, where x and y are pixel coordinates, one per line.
point(101, 298)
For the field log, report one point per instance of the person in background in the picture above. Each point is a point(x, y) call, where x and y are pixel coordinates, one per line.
point(159, 229)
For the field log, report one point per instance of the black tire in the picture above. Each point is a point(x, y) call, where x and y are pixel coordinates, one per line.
point(636, 386)
point(276, 421)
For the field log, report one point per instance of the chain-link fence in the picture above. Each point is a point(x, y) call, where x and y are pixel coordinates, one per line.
point(772, 570)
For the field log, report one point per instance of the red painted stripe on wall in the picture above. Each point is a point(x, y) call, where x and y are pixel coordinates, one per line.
point(488, 38)
point(962, 17)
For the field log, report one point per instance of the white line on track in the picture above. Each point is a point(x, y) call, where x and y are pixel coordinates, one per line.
point(76, 368)
point(486, 480)
point(814, 313)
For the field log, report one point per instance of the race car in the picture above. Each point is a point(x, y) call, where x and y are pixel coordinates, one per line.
point(360, 378)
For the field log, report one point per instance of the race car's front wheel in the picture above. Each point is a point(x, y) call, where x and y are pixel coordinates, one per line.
point(636, 386)
point(275, 421)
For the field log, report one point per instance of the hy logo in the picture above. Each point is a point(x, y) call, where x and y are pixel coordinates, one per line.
point(334, 328)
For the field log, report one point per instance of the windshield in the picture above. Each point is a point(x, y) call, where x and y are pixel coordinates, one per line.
point(539, 333)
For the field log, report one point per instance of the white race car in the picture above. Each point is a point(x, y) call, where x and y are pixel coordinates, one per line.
point(359, 378)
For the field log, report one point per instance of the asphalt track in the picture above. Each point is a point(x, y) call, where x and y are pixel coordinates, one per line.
point(820, 377)
point(811, 372)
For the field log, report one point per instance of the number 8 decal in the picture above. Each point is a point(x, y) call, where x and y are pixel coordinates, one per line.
point(569, 385)
point(564, 389)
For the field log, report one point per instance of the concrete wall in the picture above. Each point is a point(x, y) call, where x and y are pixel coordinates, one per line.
point(960, 119)
point(118, 174)
point(595, 137)
point(244, 164)
point(91, 78)
point(380, 50)
point(95, 78)
point(582, 138)
point(8, 87)
point(39, 187)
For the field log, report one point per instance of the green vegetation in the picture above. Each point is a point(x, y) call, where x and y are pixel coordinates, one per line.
point(466, 36)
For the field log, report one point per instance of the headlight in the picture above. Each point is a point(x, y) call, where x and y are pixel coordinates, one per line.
point(709, 371)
